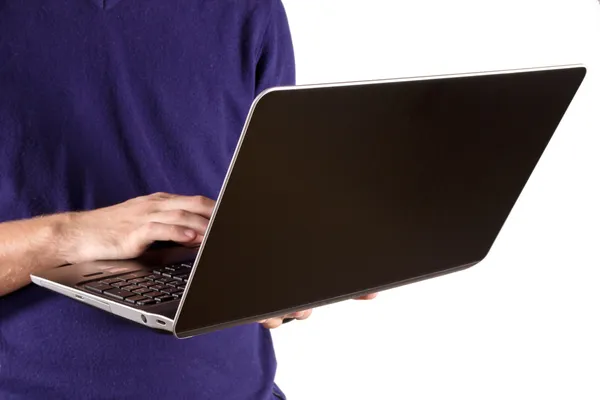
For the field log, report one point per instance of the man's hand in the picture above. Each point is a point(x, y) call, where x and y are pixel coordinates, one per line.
point(119, 232)
point(273, 323)
point(127, 229)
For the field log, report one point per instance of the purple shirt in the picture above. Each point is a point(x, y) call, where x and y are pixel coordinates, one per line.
point(102, 101)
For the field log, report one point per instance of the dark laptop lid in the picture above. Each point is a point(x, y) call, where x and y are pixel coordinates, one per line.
point(346, 189)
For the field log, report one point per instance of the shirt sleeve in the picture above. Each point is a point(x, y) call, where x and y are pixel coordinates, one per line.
point(276, 64)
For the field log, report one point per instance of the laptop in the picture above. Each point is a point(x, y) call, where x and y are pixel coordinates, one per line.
point(340, 190)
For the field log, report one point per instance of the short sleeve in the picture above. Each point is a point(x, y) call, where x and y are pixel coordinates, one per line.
point(276, 64)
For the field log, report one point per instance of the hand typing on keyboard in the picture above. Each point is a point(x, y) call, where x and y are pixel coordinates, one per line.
point(127, 229)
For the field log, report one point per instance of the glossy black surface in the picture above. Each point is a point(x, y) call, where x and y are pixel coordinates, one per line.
point(346, 190)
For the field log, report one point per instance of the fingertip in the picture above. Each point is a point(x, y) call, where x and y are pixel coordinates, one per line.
point(190, 233)
point(199, 239)
point(367, 297)
point(272, 323)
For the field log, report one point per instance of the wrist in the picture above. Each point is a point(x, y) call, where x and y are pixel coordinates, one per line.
point(66, 239)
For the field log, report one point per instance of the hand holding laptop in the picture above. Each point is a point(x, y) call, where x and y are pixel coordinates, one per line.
point(301, 315)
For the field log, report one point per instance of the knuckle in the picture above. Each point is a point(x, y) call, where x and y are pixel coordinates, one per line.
point(179, 214)
point(160, 196)
point(148, 207)
point(135, 200)
point(201, 200)
point(150, 226)
point(152, 203)
point(202, 223)
point(205, 201)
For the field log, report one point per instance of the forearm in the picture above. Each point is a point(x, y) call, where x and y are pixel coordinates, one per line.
point(28, 246)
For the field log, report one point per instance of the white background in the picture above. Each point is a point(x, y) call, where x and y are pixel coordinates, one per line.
point(525, 323)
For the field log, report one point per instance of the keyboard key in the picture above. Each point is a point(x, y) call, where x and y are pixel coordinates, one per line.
point(169, 290)
point(163, 280)
point(153, 277)
point(137, 281)
point(153, 294)
point(187, 265)
point(135, 299)
point(177, 294)
point(98, 287)
point(182, 278)
point(131, 288)
point(145, 302)
point(147, 283)
point(173, 274)
point(182, 272)
point(164, 298)
point(181, 286)
point(135, 275)
point(119, 294)
point(120, 284)
point(111, 280)
point(142, 290)
point(159, 287)
point(174, 283)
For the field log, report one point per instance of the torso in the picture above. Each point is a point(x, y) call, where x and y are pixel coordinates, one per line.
point(98, 106)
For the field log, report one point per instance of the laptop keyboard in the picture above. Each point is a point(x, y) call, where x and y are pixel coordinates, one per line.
point(144, 288)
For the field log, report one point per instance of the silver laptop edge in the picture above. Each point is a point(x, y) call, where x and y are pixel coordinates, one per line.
point(145, 318)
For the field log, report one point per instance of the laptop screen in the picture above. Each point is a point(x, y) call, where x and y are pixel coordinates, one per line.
point(342, 190)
